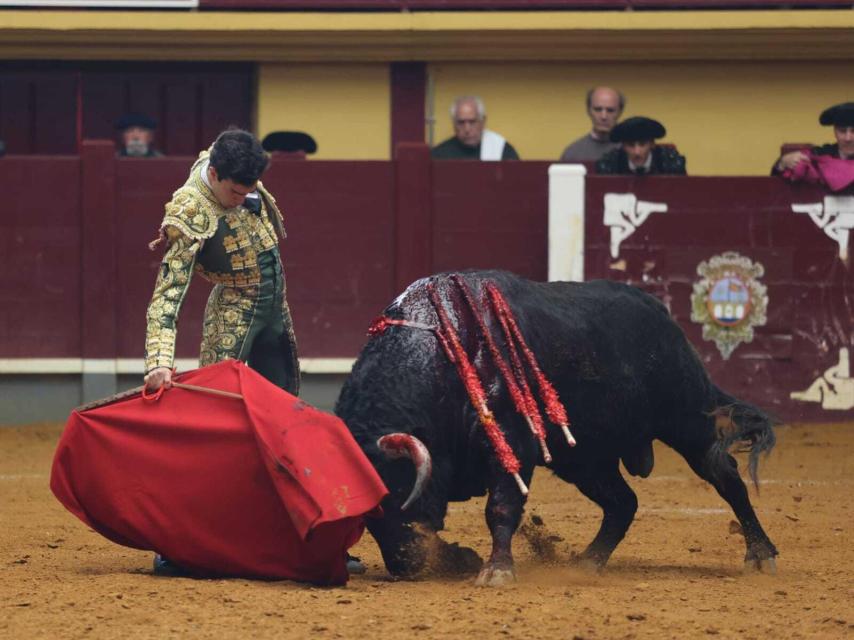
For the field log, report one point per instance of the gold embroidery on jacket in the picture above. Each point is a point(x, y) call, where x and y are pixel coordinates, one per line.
point(191, 218)
point(171, 286)
point(228, 316)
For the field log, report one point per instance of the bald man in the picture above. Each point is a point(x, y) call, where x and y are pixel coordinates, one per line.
point(604, 106)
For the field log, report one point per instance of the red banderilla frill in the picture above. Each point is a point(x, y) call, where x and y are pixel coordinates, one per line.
point(554, 408)
point(515, 380)
point(476, 393)
point(517, 387)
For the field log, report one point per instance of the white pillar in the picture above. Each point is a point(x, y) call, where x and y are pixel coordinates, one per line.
point(566, 222)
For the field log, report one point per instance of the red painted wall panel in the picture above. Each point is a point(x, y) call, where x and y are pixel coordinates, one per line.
point(490, 215)
point(810, 290)
point(338, 256)
point(38, 110)
point(192, 102)
point(40, 257)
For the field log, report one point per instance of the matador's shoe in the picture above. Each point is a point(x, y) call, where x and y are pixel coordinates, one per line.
point(165, 567)
point(355, 565)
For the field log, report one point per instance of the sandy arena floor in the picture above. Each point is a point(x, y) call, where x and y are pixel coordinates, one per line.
point(677, 574)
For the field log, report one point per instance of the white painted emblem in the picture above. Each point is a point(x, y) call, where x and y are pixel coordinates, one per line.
point(834, 389)
point(729, 300)
point(624, 213)
point(835, 216)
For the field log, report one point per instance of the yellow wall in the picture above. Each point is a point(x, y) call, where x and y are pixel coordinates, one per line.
point(344, 106)
point(726, 117)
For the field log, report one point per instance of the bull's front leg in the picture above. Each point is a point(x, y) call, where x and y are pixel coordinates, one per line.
point(504, 509)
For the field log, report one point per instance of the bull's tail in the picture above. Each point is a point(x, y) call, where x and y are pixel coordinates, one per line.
point(743, 424)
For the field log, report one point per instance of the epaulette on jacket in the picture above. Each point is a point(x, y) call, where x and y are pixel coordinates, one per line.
point(191, 213)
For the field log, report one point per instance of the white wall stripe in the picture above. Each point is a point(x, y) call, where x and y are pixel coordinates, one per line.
point(566, 222)
point(132, 366)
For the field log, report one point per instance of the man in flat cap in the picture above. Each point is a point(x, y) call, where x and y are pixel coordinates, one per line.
point(137, 136)
point(472, 140)
point(638, 153)
point(841, 117)
point(604, 107)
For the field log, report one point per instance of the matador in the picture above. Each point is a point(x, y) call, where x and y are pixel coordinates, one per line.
point(225, 225)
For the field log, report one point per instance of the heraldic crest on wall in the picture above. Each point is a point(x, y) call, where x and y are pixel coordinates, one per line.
point(729, 300)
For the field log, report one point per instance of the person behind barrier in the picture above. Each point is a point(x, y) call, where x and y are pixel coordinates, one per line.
point(137, 136)
point(472, 140)
point(841, 118)
point(604, 106)
point(639, 154)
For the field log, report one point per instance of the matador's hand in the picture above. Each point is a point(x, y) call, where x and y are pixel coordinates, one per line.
point(158, 377)
point(791, 160)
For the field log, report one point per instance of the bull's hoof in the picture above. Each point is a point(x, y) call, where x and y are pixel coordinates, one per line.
point(590, 565)
point(493, 576)
point(590, 561)
point(766, 565)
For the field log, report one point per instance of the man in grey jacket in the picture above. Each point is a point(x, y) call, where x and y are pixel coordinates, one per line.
point(604, 106)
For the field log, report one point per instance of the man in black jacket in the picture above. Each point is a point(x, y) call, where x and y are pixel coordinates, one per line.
point(638, 154)
point(841, 116)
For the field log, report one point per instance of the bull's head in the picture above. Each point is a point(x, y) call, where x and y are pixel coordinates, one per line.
point(397, 533)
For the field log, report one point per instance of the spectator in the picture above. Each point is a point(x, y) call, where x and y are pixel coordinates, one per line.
point(604, 106)
point(841, 116)
point(472, 141)
point(639, 155)
point(137, 132)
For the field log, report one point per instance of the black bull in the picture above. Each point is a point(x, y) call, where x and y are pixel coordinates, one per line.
point(625, 373)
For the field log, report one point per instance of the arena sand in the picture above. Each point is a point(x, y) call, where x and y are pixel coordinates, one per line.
point(678, 574)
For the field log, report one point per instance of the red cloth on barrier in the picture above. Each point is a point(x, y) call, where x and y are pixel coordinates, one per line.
point(835, 173)
point(266, 486)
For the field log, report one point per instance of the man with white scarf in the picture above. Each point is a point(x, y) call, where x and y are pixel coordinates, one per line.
point(472, 140)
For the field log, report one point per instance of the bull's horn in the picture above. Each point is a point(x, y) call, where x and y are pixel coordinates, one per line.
point(404, 445)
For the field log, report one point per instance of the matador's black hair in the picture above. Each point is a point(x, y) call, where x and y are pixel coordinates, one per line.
point(238, 155)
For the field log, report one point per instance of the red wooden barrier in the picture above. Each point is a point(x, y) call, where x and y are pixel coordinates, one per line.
point(77, 274)
point(40, 258)
point(490, 215)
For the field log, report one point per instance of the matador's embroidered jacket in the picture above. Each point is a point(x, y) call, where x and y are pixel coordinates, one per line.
point(223, 246)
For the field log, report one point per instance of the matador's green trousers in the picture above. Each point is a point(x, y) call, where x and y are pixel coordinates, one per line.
point(253, 324)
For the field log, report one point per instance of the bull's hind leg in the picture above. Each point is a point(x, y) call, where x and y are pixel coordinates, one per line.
point(699, 445)
point(722, 474)
point(503, 513)
point(606, 487)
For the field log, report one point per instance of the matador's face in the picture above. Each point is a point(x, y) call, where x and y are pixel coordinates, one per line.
point(228, 192)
